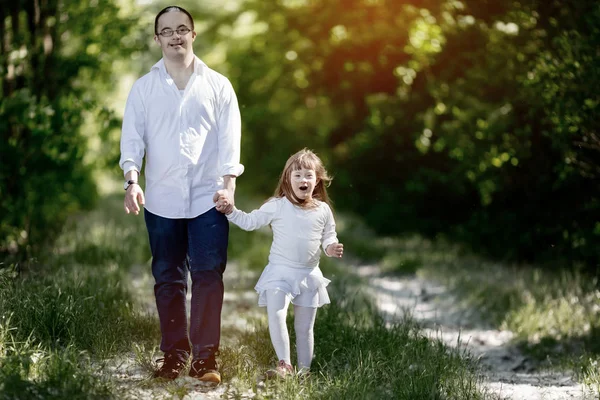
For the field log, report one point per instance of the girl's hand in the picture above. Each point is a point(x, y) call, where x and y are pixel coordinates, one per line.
point(335, 250)
point(222, 203)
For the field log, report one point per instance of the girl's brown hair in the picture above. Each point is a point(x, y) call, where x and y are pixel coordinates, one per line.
point(308, 160)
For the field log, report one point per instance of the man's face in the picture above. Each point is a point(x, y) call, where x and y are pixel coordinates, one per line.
point(177, 46)
point(303, 183)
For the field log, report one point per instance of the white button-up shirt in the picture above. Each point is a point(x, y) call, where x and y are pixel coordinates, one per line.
point(190, 139)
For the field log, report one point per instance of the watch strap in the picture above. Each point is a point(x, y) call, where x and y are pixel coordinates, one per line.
point(129, 183)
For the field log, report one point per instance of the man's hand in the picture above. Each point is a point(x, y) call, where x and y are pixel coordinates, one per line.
point(335, 250)
point(134, 198)
point(224, 201)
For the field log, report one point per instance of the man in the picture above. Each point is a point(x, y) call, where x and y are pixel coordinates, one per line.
point(184, 118)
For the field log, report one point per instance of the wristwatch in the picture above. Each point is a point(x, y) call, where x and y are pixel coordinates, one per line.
point(129, 183)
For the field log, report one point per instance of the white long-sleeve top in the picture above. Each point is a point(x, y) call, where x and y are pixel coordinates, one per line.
point(190, 139)
point(297, 233)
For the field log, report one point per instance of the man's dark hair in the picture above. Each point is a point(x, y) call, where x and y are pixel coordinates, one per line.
point(171, 9)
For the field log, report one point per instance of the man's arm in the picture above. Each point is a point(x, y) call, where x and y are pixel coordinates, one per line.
point(132, 175)
point(230, 132)
point(132, 149)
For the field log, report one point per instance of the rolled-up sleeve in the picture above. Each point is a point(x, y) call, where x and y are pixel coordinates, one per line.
point(132, 133)
point(230, 132)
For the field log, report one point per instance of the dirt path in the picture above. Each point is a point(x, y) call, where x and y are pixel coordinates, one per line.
point(507, 372)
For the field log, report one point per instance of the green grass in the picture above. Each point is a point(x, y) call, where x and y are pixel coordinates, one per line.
point(359, 356)
point(557, 321)
point(31, 370)
point(67, 312)
point(70, 306)
point(87, 309)
point(78, 294)
point(555, 316)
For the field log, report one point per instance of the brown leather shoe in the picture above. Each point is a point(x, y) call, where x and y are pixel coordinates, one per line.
point(206, 371)
point(171, 366)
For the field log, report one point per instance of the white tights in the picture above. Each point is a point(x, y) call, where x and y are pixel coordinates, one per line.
point(304, 322)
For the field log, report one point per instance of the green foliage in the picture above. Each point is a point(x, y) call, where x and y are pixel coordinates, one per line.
point(55, 61)
point(475, 119)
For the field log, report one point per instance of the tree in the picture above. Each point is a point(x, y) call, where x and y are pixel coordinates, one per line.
point(56, 60)
point(462, 117)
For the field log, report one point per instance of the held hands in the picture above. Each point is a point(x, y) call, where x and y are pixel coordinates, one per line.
point(335, 250)
point(224, 201)
point(134, 198)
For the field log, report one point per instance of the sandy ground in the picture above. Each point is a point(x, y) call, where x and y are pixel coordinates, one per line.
point(507, 372)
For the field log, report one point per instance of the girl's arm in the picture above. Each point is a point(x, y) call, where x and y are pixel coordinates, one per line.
point(257, 218)
point(329, 235)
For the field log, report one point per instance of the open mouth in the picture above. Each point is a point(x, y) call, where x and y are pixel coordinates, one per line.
point(303, 192)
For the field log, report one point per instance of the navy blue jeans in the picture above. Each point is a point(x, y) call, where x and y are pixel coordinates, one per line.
point(197, 245)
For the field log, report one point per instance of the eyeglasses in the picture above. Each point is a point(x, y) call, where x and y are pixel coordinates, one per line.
point(184, 30)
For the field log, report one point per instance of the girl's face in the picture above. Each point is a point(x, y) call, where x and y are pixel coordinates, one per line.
point(303, 183)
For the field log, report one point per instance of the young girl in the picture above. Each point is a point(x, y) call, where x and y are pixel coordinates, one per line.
point(301, 219)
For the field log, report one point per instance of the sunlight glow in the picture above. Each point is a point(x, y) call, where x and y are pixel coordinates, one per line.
point(338, 34)
point(294, 3)
point(466, 20)
point(510, 28)
point(291, 55)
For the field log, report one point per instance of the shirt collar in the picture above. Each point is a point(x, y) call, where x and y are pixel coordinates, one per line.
point(199, 66)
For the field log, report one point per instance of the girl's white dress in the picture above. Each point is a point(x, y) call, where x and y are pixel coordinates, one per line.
point(298, 235)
